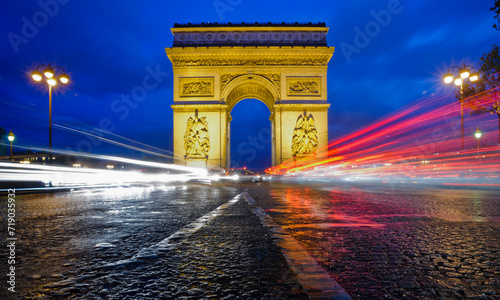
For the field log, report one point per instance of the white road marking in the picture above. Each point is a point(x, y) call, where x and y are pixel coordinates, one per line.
point(173, 240)
point(314, 279)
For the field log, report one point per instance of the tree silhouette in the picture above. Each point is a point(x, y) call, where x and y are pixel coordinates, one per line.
point(496, 9)
point(3, 133)
point(483, 96)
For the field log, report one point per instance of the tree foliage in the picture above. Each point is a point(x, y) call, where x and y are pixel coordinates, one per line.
point(476, 94)
point(3, 133)
point(496, 9)
point(483, 96)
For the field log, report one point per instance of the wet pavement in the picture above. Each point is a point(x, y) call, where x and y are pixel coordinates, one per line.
point(395, 242)
point(159, 242)
point(205, 242)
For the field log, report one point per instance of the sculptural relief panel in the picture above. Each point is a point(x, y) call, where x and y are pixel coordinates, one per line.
point(305, 136)
point(196, 137)
point(303, 86)
point(196, 86)
point(236, 60)
point(226, 78)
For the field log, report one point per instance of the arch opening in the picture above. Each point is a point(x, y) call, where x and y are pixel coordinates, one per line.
point(250, 87)
point(251, 136)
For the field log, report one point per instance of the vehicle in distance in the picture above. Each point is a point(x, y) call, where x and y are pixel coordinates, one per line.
point(243, 174)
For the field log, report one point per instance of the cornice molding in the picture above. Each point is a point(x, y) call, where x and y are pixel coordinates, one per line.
point(301, 107)
point(193, 60)
point(248, 26)
point(199, 107)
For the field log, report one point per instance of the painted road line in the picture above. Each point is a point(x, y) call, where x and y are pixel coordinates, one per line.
point(314, 279)
point(173, 240)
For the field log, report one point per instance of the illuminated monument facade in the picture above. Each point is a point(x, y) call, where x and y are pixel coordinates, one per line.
point(217, 65)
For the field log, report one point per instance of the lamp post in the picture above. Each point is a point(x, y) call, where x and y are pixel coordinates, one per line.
point(478, 134)
point(463, 73)
point(11, 138)
point(49, 74)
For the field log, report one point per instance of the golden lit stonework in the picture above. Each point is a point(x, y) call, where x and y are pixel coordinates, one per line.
point(218, 65)
point(305, 136)
point(304, 86)
point(191, 87)
point(196, 137)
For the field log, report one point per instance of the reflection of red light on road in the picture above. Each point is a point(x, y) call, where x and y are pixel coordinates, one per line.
point(316, 214)
point(332, 225)
point(471, 184)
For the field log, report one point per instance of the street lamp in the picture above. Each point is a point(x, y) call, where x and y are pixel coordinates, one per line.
point(478, 134)
point(49, 73)
point(463, 73)
point(11, 138)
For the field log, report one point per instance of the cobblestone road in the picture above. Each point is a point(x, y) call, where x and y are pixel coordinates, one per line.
point(88, 245)
point(194, 242)
point(395, 243)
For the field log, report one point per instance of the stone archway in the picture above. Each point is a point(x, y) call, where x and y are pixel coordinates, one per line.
point(250, 140)
point(216, 66)
point(248, 86)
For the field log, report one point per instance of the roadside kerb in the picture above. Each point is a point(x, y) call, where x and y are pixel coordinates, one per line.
point(316, 281)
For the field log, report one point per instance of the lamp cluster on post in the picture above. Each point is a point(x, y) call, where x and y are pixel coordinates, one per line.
point(50, 75)
point(464, 72)
point(11, 138)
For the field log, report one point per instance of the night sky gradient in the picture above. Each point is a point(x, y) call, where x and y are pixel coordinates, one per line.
point(109, 47)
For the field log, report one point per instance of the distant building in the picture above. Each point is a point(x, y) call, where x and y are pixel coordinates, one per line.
point(43, 158)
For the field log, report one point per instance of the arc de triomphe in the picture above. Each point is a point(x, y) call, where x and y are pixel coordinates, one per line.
point(217, 65)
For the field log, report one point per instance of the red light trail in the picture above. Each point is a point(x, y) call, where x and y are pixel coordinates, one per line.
point(419, 141)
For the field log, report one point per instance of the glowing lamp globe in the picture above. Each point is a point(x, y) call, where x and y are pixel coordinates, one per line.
point(478, 133)
point(64, 78)
point(37, 76)
point(52, 81)
point(474, 77)
point(48, 72)
point(458, 81)
point(448, 78)
point(11, 137)
point(464, 73)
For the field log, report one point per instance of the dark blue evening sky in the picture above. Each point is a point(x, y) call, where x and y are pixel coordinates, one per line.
point(108, 47)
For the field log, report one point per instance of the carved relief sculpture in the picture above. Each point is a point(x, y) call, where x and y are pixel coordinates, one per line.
point(192, 87)
point(305, 136)
point(189, 61)
point(196, 138)
point(304, 86)
point(197, 88)
point(225, 79)
point(274, 78)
